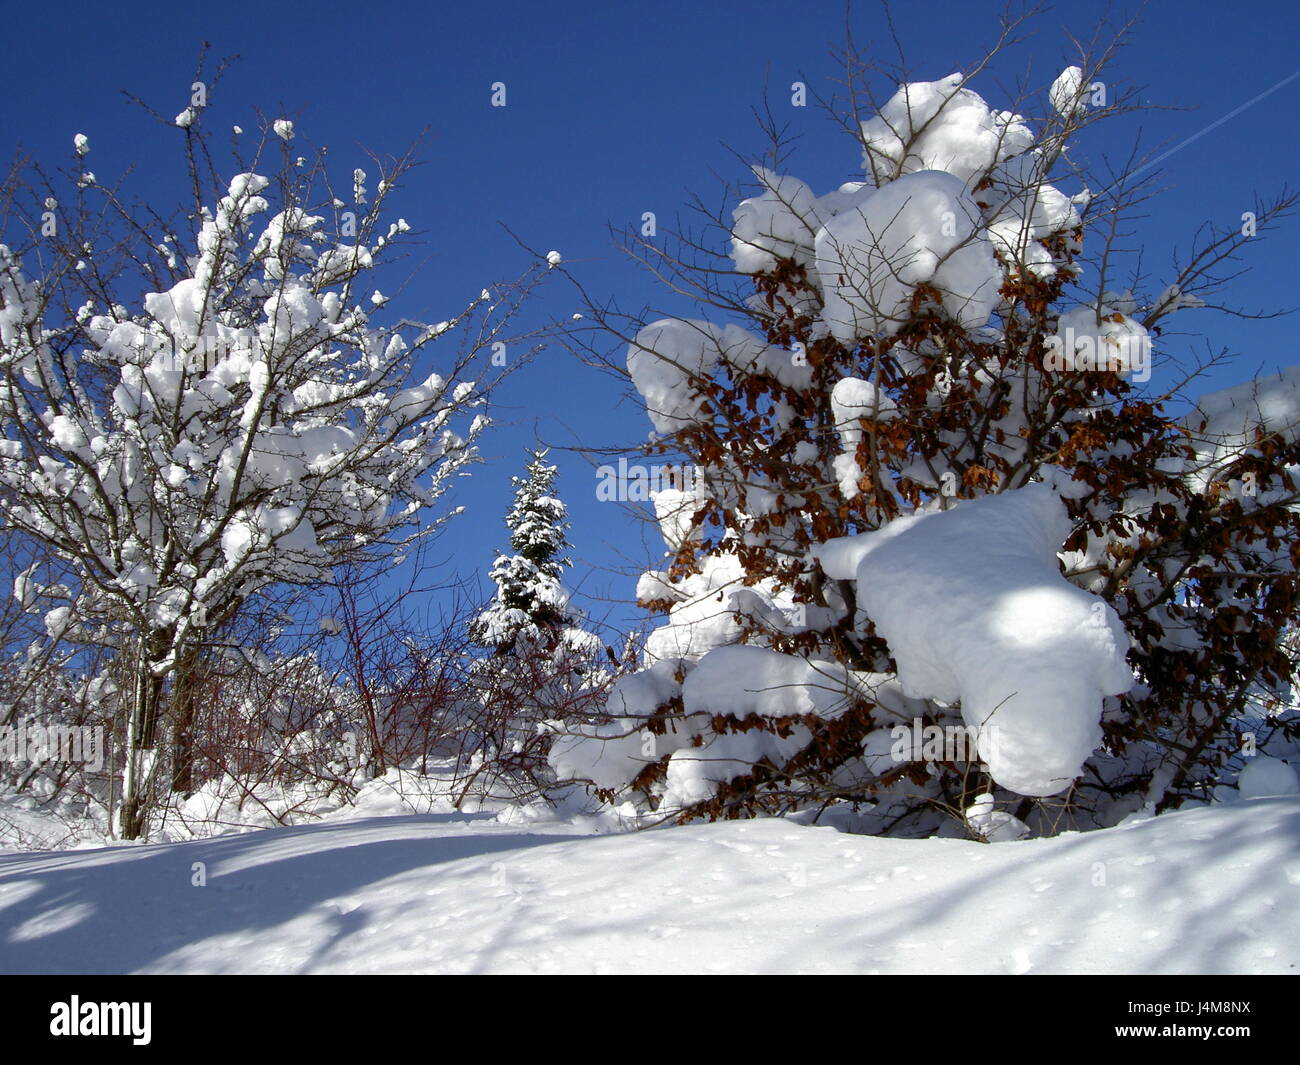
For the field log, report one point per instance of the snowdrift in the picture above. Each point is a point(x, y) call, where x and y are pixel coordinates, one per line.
point(1210, 890)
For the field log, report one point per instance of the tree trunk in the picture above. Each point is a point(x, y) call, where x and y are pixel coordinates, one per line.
point(142, 732)
point(185, 695)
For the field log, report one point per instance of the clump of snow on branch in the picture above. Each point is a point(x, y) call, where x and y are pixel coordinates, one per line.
point(1223, 424)
point(949, 182)
point(921, 228)
point(1065, 93)
point(669, 358)
point(973, 605)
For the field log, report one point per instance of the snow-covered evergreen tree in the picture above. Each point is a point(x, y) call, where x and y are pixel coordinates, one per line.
point(530, 599)
point(546, 669)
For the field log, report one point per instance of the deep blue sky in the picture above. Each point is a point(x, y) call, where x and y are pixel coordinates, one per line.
point(616, 109)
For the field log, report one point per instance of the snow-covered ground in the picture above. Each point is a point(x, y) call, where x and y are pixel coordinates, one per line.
point(1209, 890)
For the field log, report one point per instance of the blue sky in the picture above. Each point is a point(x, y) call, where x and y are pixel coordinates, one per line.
point(615, 109)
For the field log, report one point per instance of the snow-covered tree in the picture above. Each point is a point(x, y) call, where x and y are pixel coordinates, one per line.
point(194, 411)
point(530, 598)
point(947, 559)
point(546, 666)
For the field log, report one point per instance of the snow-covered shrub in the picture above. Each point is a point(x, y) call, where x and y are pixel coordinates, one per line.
point(59, 729)
point(932, 493)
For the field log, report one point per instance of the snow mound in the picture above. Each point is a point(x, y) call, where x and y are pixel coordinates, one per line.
point(1265, 776)
point(772, 685)
point(974, 608)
